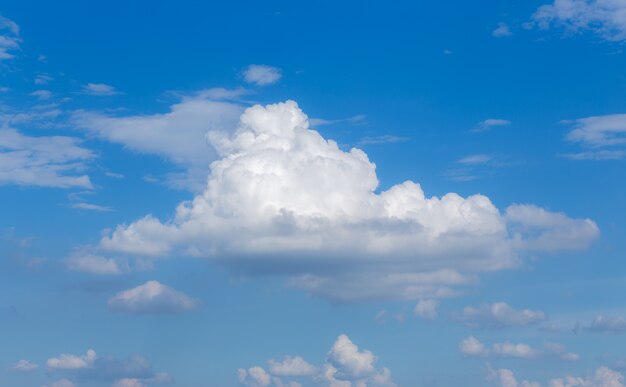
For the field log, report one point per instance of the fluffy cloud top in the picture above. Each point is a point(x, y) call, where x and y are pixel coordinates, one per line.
point(500, 315)
point(281, 193)
point(345, 366)
point(261, 75)
point(152, 297)
point(505, 378)
point(605, 17)
point(47, 161)
point(473, 347)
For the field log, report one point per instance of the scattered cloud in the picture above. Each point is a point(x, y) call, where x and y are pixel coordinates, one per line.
point(62, 383)
point(602, 17)
point(500, 315)
point(357, 119)
point(502, 31)
point(152, 297)
point(261, 75)
point(284, 200)
point(45, 161)
point(346, 365)
point(99, 89)
point(490, 123)
point(475, 159)
point(42, 79)
point(519, 350)
point(596, 155)
point(473, 347)
point(9, 38)
point(606, 324)
point(426, 309)
point(132, 371)
point(505, 378)
point(25, 366)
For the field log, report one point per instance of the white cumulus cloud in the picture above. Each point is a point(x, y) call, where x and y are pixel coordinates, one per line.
point(72, 362)
point(152, 297)
point(281, 197)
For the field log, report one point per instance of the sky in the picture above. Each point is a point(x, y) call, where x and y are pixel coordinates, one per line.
point(342, 194)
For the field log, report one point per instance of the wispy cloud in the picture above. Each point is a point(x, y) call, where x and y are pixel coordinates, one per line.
point(489, 124)
point(261, 75)
point(384, 139)
point(604, 137)
point(99, 89)
point(501, 31)
point(9, 38)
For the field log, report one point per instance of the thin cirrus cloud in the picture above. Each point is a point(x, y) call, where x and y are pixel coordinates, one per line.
point(261, 75)
point(605, 324)
point(602, 137)
point(602, 377)
point(501, 31)
point(44, 161)
point(602, 17)
point(152, 298)
point(94, 264)
point(281, 193)
point(24, 365)
point(345, 365)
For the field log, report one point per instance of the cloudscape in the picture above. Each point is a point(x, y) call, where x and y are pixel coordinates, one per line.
point(292, 194)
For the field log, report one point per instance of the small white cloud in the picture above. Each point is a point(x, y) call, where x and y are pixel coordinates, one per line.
point(261, 75)
point(384, 139)
point(603, 377)
point(426, 309)
point(152, 297)
point(25, 366)
point(254, 377)
point(42, 79)
point(99, 89)
point(490, 123)
point(500, 315)
point(501, 31)
point(519, 350)
point(72, 362)
point(9, 38)
point(291, 366)
point(350, 362)
point(505, 378)
point(93, 264)
point(473, 347)
point(62, 383)
point(91, 207)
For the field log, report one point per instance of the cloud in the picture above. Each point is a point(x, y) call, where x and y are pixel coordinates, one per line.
point(91, 207)
point(72, 362)
point(519, 350)
point(473, 347)
point(606, 324)
point(152, 297)
point(385, 139)
point(132, 371)
point(93, 264)
point(62, 383)
point(426, 309)
point(261, 75)
point(45, 161)
point(505, 378)
point(603, 377)
point(502, 31)
point(178, 135)
point(346, 365)
point(42, 79)
point(42, 94)
point(603, 17)
point(357, 119)
point(9, 38)
point(25, 366)
point(99, 89)
point(291, 366)
point(284, 200)
point(604, 137)
point(490, 123)
point(500, 315)
point(475, 159)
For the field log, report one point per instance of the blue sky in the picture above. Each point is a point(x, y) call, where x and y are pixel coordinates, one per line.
point(312, 193)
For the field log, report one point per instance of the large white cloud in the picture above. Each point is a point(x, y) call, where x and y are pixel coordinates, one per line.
point(45, 161)
point(284, 200)
point(605, 17)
